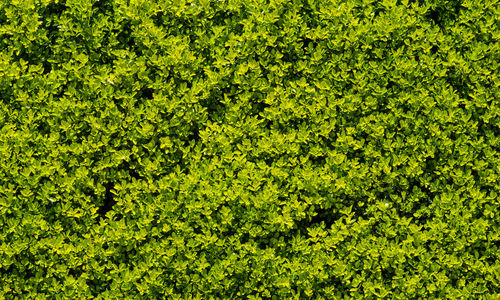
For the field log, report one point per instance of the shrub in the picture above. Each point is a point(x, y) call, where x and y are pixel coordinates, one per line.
point(249, 149)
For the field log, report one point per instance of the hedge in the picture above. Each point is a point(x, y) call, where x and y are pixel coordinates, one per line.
point(227, 149)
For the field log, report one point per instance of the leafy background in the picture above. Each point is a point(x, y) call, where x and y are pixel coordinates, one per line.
point(249, 149)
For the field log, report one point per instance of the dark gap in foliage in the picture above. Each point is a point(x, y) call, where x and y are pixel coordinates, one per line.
point(434, 49)
point(435, 16)
point(179, 82)
point(3, 17)
point(259, 107)
point(86, 190)
point(458, 83)
point(97, 285)
point(378, 11)
point(194, 134)
point(103, 6)
point(108, 201)
point(74, 272)
point(178, 160)
point(47, 67)
point(222, 17)
point(388, 273)
point(444, 13)
point(417, 57)
point(158, 18)
point(454, 278)
point(24, 55)
point(417, 209)
point(54, 7)
point(133, 172)
point(307, 12)
point(104, 57)
point(318, 160)
point(50, 24)
point(175, 24)
point(453, 135)
point(291, 125)
point(323, 215)
point(289, 53)
point(29, 53)
point(308, 45)
point(8, 270)
point(326, 214)
point(197, 229)
point(43, 127)
point(6, 96)
point(390, 85)
point(457, 4)
point(490, 127)
point(124, 36)
point(353, 155)
point(215, 109)
point(146, 93)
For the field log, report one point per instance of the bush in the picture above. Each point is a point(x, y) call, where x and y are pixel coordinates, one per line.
point(249, 149)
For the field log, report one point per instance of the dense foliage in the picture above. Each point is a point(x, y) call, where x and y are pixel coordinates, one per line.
point(249, 149)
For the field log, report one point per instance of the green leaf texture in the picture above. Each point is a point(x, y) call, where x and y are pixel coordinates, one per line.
point(230, 149)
